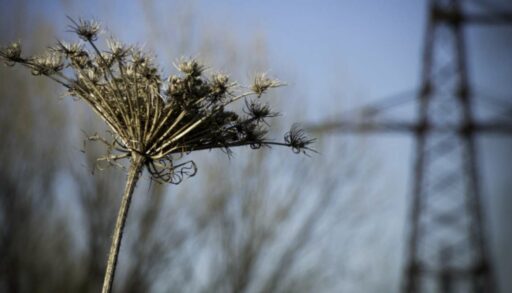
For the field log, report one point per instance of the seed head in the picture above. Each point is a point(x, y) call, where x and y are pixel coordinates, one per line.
point(298, 140)
point(262, 83)
point(258, 111)
point(47, 64)
point(157, 118)
point(190, 67)
point(86, 30)
point(11, 54)
point(68, 49)
point(219, 84)
point(118, 50)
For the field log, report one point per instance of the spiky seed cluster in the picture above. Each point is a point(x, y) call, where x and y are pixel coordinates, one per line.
point(296, 138)
point(262, 83)
point(153, 117)
point(258, 111)
point(86, 30)
point(11, 54)
point(47, 64)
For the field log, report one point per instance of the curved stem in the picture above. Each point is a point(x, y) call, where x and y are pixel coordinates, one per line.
point(133, 176)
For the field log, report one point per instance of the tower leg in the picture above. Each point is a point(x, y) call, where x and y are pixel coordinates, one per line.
point(446, 248)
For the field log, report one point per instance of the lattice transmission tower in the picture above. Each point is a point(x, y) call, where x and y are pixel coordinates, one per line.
point(446, 249)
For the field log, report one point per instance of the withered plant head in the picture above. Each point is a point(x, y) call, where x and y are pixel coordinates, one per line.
point(157, 118)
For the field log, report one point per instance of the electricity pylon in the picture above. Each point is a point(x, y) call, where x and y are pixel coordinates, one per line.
point(446, 249)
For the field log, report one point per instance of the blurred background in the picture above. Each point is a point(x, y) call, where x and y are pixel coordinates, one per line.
point(260, 221)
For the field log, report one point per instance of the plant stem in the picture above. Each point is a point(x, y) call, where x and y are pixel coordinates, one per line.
point(133, 175)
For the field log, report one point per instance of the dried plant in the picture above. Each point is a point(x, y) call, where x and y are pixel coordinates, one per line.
point(154, 122)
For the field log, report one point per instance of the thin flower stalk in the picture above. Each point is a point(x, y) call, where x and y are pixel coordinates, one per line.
point(154, 121)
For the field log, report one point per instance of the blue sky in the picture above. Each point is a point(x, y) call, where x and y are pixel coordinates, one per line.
point(360, 39)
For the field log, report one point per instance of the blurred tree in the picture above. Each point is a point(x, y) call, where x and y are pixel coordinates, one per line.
point(30, 160)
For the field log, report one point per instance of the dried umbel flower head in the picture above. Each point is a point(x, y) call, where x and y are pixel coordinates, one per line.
point(154, 120)
point(157, 118)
